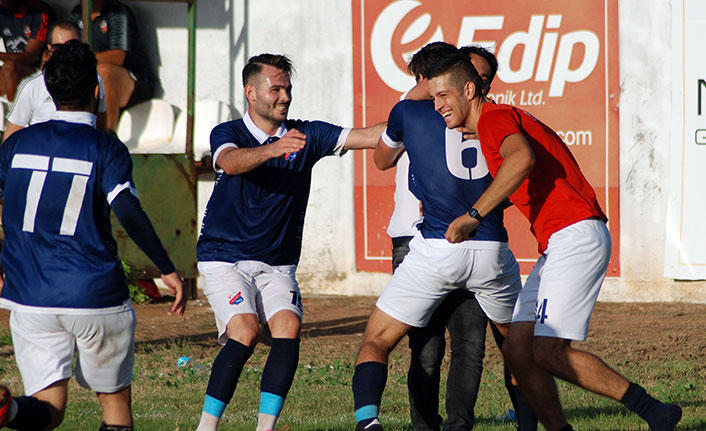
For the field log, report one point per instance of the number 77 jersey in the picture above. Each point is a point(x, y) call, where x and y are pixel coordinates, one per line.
point(447, 173)
point(58, 179)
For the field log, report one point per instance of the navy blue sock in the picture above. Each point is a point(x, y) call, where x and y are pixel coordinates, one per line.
point(658, 415)
point(369, 381)
point(526, 419)
point(32, 414)
point(226, 370)
point(278, 374)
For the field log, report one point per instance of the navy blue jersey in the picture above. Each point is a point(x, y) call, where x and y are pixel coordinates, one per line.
point(259, 215)
point(446, 173)
point(58, 178)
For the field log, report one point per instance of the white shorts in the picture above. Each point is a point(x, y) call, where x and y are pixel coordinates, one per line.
point(249, 287)
point(560, 293)
point(434, 267)
point(44, 349)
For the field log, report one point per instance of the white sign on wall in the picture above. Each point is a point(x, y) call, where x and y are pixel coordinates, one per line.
point(685, 254)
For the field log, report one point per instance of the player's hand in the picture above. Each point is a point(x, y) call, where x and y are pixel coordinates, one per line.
point(292, 142)
point(176, 286)
point(460, 229)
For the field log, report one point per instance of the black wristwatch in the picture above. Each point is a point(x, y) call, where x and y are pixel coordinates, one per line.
point(475, 214)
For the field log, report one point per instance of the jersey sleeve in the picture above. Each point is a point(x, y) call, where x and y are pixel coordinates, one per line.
point(120, 26)
point(327, 139)
point(21, 111)
point(494, 126)
point(393, 134)
point(116, 175)
point(40, 22)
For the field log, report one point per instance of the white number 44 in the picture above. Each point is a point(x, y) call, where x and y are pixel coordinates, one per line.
point(39, 165)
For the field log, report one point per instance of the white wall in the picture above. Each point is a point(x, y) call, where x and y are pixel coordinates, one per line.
point(317, 36)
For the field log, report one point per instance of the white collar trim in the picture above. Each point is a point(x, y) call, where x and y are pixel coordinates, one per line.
point(81, 117)
point(260, 134)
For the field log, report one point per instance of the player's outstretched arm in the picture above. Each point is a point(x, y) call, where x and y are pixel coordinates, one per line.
point(176, 286)
point(132, 217)
point(236, 161)
point(386, 157)
point(364, 138)
point(518, 162)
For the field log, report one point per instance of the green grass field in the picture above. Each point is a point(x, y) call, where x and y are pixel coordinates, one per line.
point(166, 397)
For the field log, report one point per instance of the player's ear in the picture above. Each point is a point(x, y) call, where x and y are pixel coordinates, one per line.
point(249, 92)
point(97, 92)
point(469, 90)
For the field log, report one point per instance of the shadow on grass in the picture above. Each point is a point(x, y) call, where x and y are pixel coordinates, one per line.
point(345, 326)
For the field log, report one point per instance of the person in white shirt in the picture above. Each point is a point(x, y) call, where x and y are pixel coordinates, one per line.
point(33, 103)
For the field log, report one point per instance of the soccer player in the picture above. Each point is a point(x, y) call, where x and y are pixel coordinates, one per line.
point(64, 282)
point(459, 311)
point(532, 167)
point(252, 232)
point(447, 174)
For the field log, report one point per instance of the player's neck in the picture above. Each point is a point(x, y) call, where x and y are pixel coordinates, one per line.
point(266, 125)
point(476, 106)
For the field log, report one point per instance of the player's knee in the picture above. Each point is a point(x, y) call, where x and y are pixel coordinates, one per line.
point(547, 351)
point(244, 329)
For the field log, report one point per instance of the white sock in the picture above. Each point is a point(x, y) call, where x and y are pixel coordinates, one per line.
point(208, 422)
point(266, 422)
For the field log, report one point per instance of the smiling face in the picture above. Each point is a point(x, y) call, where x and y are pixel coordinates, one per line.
point(450, 101)
point(269, 94)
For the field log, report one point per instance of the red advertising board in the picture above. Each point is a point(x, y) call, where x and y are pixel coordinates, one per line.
point(557, 59)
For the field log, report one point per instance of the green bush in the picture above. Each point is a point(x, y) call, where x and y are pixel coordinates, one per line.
point(137, 293)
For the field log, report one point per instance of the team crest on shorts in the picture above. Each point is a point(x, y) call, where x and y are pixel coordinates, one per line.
point(104, 26)
point(236, 299)
point(28, 31)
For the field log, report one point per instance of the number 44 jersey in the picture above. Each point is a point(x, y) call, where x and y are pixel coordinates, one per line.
point(447, 173)
point(58, 179)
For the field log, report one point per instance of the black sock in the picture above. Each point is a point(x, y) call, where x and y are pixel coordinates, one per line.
point(280, 367)
point(32, 414)
point(226, 370)
point(106, 427)
point(369, 381)
point(526, 419)
point(660, 416)
point(568, 427)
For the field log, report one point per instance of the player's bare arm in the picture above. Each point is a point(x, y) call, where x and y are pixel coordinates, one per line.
point(419, 91)
point(518, 161)
point(362, 138)
point(10, 129)
point(236, 161)
point(28, 57)
point(111, 56)
point(176, 287)
point(386, 157)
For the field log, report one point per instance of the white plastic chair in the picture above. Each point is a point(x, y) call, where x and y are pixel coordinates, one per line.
point(146, 127)
point(207, 115)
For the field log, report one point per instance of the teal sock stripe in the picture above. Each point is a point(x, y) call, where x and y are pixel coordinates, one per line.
point(367, 412)
point(271, 404)
point(213, 406)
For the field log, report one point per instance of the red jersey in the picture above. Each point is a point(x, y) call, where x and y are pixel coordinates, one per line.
point(555, 194)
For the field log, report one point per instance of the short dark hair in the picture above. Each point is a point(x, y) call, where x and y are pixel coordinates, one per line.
point(461, 69)
point(70, 75)
point(64, 25)
point(424, 59)
point(486, 54)
point(254, 66)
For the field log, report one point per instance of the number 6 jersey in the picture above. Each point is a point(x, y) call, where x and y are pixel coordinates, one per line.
point(58, 179)
point(447, 173)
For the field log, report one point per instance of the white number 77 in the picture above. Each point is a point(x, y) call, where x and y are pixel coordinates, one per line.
point(40, 166)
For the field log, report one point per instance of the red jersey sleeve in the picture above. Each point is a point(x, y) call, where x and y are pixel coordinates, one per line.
point(494, 125)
